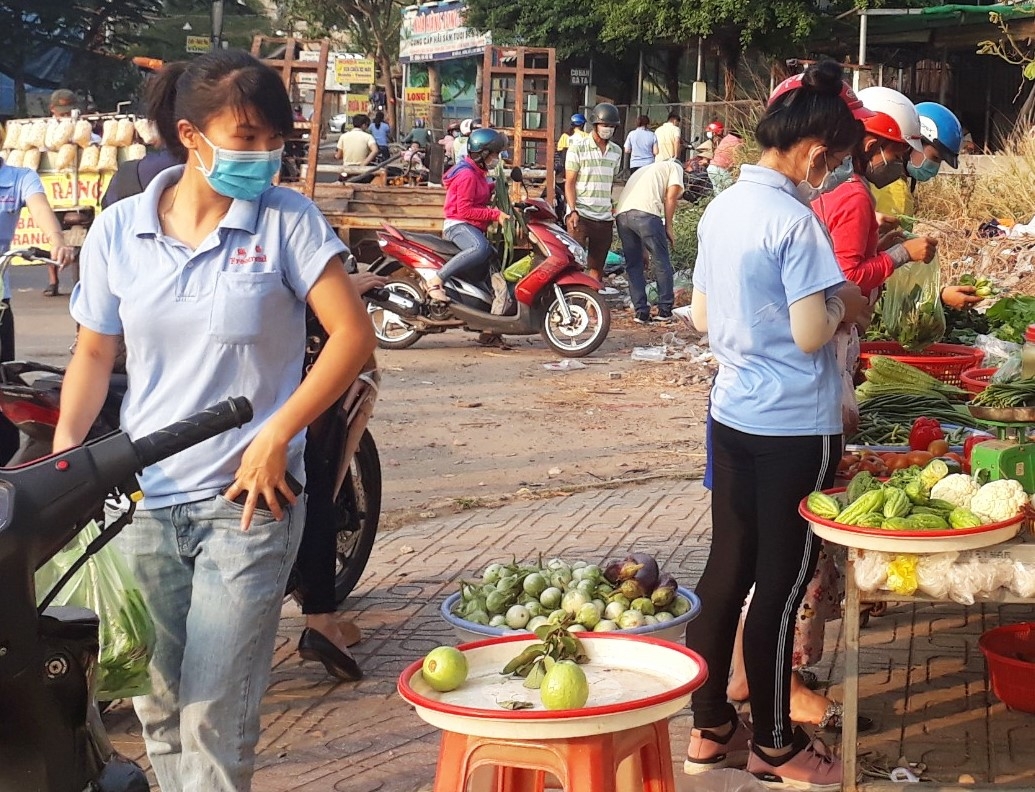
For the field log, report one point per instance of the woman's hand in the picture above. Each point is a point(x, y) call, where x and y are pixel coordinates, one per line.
point(263, 471)
point(503, 217)
point(960, 297)
point(886, 222)
point(365, 281)
point(921, 248)
point(857, 306)
point(63, 255)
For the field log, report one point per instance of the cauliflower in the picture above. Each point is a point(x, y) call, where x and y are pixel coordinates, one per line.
point(999, 500)
point(957, 489)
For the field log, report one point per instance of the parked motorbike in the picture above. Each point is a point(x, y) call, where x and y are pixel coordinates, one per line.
point(30, 397)
point(555, 298)
point(51, 735)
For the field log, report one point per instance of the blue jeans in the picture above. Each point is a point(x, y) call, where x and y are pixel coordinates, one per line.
point(472, 262)
point(214, 593)
point(641, 231)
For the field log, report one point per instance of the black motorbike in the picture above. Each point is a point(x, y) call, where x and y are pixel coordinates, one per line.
point(51, 736)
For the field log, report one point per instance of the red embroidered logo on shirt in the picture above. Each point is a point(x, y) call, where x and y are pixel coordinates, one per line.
point(241, 257)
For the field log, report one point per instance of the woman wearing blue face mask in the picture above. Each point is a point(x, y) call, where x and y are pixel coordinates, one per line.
point(207, 274)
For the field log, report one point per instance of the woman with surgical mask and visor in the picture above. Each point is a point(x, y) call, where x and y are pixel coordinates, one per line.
point(207, 275)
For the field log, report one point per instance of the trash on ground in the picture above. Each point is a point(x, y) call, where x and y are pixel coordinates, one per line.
point(652, 353)
point(565, 365)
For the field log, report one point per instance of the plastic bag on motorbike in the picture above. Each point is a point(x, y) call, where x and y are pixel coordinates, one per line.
point(518, 269)
point(106, 586)
point(913, 313)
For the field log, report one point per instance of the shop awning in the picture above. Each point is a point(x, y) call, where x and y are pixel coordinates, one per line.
point(946, 23)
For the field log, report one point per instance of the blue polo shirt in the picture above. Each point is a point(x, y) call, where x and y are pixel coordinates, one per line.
point(761, 249)
point(227, 319)
point(639, 145)
point(16, 186)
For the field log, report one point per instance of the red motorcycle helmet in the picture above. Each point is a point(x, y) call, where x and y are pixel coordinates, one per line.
point(716, 128)
point(847, 95)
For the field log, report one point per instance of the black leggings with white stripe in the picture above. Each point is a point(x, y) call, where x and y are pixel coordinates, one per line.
point(757, 538)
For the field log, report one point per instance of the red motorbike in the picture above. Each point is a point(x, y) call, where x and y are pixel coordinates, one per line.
point(554, 298)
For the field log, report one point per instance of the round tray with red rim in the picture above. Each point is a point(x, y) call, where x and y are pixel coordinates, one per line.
point(887, 541)
point(633, 681)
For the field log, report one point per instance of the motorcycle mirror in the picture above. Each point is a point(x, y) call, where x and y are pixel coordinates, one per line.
point(351, 266)
point(515, 175)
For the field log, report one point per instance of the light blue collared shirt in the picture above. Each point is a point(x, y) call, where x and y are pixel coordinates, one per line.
point(227, 319)
point(761, 249)
point(17, 185)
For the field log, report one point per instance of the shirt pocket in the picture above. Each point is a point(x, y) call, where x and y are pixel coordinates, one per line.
point(241, 306)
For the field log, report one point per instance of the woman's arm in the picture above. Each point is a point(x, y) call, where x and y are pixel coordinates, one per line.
point(350, 342)
point(815, 318)
point(85, 386)
point(44, 217)
point(466, 209)
point(699, 310)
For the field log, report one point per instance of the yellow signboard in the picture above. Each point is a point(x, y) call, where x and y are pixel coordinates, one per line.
point(359, 71)
point(58, 188)
point(357, 103)
point(417, 96)
point(198, 44)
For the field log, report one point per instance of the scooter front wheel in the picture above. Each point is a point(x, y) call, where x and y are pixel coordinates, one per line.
point(580, 325)
point(392, 330)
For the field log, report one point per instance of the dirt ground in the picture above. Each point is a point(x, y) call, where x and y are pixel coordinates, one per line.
point(459, 425)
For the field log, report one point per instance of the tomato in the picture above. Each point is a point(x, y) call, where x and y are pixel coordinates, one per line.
point(899, 462)
point(876, 467)
point(919, 457)
point(938, 448)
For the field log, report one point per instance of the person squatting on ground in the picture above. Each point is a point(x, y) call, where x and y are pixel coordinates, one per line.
point(771, 296)
point(207, 274)
point(590, 169)
point(467, 212)
point(644, 217)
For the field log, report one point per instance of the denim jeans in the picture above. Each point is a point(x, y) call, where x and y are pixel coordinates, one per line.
point(638, 231)
point(214, 593)
point(472, 262)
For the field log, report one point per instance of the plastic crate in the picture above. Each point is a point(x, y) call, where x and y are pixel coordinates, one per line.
point(976, 380)
point(945, 362)
point(1010, 654)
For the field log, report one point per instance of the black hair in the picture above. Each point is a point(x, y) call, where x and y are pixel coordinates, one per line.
point(379, 118)
point(815, 110)
point(673, 116)
point(643, 121)
point(360, 120)
point(204, 87)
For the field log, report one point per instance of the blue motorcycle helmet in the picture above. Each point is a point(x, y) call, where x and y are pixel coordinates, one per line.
point(940, 128)
point(578, 120)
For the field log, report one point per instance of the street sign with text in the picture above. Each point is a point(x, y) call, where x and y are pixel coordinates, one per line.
point(580, 77)
point(198, 44)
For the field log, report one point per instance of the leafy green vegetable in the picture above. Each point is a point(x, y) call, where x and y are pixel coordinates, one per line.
point(1010, 317)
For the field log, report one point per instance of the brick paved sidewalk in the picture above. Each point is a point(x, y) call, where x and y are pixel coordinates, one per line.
point(924, 681)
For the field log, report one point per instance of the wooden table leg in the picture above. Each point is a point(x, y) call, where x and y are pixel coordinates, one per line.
point(850, 728)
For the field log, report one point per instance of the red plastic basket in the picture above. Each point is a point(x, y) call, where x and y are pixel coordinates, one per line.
point(976, 380)
point(945, 362)
point(1010, 654)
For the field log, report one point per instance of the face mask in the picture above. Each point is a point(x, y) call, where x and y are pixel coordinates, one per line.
point(709, 135)
point(806, 190)
point(925, 172)
point(240, 174)
point(605, 132)
point(882, 175)
point(837, 176)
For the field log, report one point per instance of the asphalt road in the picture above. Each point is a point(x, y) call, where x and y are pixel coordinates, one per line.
point(44, 330)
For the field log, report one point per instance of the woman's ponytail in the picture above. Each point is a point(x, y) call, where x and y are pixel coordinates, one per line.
point(161, 107)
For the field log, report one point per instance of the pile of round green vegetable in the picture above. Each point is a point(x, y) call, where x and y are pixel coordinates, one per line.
point(577, 594)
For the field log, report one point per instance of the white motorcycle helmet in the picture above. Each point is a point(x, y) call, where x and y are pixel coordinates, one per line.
point(895, 117)
point(467, 126)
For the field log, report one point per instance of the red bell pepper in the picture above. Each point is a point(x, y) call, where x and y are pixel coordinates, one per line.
point(968, 447)
point(924, 432)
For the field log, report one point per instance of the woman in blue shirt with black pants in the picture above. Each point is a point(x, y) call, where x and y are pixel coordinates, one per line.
point(770, 295)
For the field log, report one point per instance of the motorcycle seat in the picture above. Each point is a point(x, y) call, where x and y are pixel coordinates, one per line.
point(432, 242)
point(65, 621)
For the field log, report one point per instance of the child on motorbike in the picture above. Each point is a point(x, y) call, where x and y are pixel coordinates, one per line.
point(467, 211)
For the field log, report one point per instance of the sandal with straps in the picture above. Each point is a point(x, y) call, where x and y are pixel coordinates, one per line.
point(436, 292)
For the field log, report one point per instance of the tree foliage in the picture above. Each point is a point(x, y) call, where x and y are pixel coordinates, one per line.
point(572, 27)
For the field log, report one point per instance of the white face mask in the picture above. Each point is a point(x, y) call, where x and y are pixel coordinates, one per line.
point(605, 132)
point(807, 191)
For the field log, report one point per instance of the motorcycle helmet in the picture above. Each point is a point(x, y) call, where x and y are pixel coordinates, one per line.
point(859, 112)
point(895, 117)
point(607, 114)
point(468, 125)
point(716, 128)
point(484, 142)
point(419, 123)
point(940, 128)
point(578, 120)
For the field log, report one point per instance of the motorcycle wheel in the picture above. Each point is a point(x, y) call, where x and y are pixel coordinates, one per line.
point(358, 510)
point(590, 322)
point(392, 330)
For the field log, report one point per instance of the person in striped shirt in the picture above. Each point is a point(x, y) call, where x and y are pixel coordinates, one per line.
point(590, 168)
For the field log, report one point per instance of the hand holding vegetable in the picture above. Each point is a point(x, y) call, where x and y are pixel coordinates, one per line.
point(960, 297)
point(921, 248)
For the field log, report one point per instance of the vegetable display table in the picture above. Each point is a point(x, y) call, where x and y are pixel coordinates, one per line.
point(620, 740)
point(1021, 548)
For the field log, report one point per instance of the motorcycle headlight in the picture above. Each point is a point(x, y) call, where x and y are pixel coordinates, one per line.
point(579, 252)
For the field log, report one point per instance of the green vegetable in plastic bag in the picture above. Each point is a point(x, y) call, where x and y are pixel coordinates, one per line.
point(518, 269)
point(912, 310)
point(106, 586)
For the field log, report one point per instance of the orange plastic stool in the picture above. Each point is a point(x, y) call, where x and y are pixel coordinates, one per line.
point(581, 764)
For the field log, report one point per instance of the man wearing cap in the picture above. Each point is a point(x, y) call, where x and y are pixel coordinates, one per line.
point(63, 102)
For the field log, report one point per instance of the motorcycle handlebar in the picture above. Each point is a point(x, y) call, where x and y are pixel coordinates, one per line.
point(194, 429)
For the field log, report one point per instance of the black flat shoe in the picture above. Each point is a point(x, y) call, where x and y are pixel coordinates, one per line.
point(315, 647)
point(833, 719)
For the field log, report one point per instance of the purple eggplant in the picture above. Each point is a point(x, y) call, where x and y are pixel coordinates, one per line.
point(631, 589)
point(648, 573)
point(665, 592)
point(611, 570)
